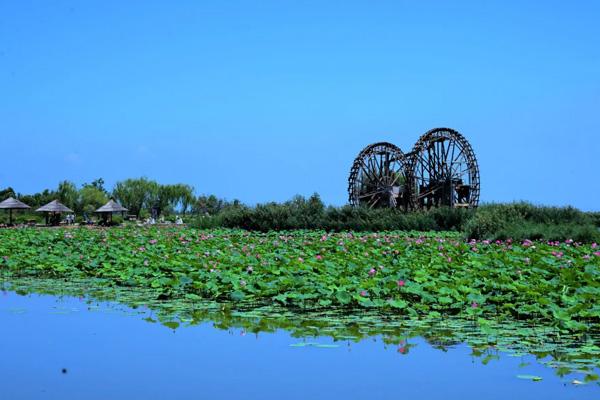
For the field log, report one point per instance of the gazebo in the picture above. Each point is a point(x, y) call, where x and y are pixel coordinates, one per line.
point(13, 204)
point(109, 209)
point(53, 211)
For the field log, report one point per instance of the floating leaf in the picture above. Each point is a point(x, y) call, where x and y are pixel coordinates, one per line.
point(171, 324)
point(534, 378)
point(237, 295)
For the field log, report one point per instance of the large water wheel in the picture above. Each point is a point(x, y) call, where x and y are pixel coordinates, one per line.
point(443, 171)
point(378, 177)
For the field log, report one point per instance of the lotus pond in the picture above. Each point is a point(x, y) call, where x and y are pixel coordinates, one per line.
point(339, 315)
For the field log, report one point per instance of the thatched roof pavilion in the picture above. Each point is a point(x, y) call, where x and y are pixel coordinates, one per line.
point(54, 208)
point(12, 204)
point(111, 207)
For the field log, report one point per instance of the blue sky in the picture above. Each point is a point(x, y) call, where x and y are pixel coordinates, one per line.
point(263, 100)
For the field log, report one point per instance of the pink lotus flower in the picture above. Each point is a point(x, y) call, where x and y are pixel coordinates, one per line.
point(527, 243)
point(319, 257)
point(401, 283)
point(372, 272)
point(142, 249)
point(557, 254)
point(363, 293)
point(474, 304)
point(594, 245)
point(597, 253)
point(586, 257)
point(153, 241)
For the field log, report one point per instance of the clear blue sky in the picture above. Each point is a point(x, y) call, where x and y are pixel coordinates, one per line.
point(262, 100)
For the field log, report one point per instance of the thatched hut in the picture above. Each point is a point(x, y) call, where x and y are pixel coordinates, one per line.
point(53, 211)
point(107, 210)
point(11, 204)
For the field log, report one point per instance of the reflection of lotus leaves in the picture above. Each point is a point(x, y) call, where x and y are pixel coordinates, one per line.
point(568, 353)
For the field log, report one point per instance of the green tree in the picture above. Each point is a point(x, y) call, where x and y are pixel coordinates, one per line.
point(90, 199)
point(182, 196)
point(67, 194)
point(6, 193)
point(166, 198)
point(97, 184)
point(136, 194)
point(208, 205)
point(38, 199)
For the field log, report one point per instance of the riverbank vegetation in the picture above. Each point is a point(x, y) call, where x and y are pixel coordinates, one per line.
point(517, 221)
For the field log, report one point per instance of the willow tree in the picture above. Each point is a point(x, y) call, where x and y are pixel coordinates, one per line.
point(68, 194)
point(135, 194)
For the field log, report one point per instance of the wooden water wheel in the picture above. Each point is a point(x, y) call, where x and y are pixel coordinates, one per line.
point(443, 171)
point(378, 177)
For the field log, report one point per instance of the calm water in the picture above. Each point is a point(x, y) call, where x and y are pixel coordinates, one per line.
point(111, 352)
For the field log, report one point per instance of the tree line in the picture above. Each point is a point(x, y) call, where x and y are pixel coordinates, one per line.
point(490, 221)
point(139, 195)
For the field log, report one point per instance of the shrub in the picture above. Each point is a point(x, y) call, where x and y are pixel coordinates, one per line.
point(490, 221)
point(520, 221)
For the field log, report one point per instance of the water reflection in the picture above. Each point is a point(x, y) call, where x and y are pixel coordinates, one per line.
point(513, 349)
